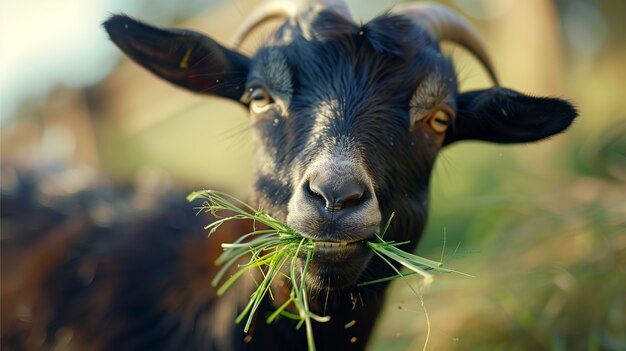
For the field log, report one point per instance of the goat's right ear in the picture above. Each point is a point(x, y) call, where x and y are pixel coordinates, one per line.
point(188, 59)
point(506, 116)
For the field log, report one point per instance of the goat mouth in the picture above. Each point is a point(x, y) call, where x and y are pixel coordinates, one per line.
point(354, 240)
point(336, 264)
point(335, 245)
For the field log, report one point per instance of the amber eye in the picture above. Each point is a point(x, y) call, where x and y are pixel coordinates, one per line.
point(260, 100)
point(439, 121)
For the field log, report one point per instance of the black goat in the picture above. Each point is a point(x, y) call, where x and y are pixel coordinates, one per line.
point(347, 122)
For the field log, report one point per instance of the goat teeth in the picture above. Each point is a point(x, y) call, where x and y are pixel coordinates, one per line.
point(331, 244)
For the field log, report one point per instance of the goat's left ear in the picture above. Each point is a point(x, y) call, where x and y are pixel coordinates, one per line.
point(188, 59)
point(505, 116)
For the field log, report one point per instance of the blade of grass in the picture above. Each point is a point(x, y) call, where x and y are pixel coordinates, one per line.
point(382, 234)
point(386, 279)
point(279, 311)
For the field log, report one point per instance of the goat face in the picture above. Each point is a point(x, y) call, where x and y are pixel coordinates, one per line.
point(347, 120)
point(337, 144)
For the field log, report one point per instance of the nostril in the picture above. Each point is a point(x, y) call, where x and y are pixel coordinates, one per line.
point(314, 190)
point(352, 195)
point(317, 195)
point(336, 194)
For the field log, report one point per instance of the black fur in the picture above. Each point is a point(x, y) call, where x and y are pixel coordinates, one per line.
point(183, 57)
point(505, 116)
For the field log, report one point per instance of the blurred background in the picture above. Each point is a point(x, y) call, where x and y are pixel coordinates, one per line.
point(542, 227)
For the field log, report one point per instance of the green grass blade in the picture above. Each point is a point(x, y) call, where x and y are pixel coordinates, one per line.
point(278, 311)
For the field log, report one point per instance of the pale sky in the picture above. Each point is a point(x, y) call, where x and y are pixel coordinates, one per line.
point(44, 43)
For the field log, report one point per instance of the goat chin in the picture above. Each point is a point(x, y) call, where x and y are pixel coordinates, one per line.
point(337, 270)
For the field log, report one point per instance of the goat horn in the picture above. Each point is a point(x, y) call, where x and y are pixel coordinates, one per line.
point(285, 9)
point(268, 11)
point(445, 24)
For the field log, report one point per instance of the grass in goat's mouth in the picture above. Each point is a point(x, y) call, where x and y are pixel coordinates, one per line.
point(275, 251)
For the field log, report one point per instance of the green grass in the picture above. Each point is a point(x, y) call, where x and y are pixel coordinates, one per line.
point(273, 252)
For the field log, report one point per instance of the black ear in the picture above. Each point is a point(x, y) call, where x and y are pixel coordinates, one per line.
point(505, 116)
point(186, 58)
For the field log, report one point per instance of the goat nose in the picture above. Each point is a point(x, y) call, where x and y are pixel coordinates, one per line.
point(337, 193)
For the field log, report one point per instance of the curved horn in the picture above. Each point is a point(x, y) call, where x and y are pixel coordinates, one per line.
point(285, 9)
point(445, 24)
point(269, 10)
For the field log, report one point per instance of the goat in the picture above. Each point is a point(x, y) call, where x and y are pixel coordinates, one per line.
point(347, 121)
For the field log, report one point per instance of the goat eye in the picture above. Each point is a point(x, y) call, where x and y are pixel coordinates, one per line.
point(439, 121)
point(260, 100)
